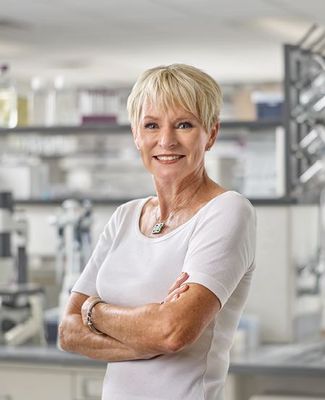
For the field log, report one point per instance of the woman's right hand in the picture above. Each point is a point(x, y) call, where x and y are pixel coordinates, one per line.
point(177, 288)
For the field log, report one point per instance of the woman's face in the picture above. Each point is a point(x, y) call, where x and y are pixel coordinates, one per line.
point(172, 144)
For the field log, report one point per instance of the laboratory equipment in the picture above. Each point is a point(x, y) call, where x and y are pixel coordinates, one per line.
point(21, 302)
point(305, 119)
point(74, 245)
point(285, 293)
point(8, 99)
point(21, 314)
point(313, 144)
point(6, 226)
point(321, 257)
point(25, 177)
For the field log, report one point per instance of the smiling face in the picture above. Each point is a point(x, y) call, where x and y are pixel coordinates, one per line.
point(172, 143)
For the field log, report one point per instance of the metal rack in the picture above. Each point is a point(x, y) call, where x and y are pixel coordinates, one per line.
point(304, 86)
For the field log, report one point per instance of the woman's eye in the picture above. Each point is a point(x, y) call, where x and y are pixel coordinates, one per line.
point(151, 125)
point(184, 125)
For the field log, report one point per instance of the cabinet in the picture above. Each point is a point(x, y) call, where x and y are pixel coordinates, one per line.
point(277, 386)
point(87, 385)
point(39, 382)
point(34, 383)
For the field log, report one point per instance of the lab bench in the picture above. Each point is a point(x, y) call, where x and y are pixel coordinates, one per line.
point(38, 373)
point(294, 370)
point(32, 373)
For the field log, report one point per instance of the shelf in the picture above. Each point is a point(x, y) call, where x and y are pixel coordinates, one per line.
point(252, 125)
point(60, 200)
point(113, 128)
point(62, 130)
point(118, 201)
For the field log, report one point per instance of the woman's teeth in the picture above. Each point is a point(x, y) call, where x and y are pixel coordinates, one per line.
point(168, 158)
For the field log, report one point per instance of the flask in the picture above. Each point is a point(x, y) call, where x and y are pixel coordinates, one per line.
point(8, 99)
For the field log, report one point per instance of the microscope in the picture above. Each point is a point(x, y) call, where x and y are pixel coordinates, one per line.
point(73, 251)
point(21, 302)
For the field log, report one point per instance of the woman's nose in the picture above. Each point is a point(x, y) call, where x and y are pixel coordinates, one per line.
point(168, 138)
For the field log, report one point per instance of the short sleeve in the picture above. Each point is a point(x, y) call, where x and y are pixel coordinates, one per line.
point(222, 248)
point(86, 283)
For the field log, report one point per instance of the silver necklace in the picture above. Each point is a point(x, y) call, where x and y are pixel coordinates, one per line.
point(160, 225)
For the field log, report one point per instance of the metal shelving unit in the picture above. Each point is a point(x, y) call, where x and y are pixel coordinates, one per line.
point(304, 121)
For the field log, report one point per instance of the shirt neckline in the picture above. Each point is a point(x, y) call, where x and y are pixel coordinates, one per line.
point(180, 227)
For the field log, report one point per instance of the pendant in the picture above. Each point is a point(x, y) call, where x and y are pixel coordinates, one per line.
point(157, 228)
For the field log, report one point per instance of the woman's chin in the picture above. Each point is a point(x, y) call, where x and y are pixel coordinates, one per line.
point(167, 176)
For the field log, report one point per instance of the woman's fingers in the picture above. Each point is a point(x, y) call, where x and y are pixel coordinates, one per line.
point(177, 288)
point(179, 281)
point(174, 295)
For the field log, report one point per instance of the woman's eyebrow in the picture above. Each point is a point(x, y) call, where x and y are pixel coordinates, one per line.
point(180, 118)
point(149, 117)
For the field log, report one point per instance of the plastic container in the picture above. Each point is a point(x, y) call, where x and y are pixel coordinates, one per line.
point(37, 102)
point(269, 105)
point(98, 106)
point(62, 104)
point(8, 99)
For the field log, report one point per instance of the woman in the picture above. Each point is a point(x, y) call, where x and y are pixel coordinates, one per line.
point(172, 334)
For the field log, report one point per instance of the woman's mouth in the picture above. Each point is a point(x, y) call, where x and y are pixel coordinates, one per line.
point(171, 157)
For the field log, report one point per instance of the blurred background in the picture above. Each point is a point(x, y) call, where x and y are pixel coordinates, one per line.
point(67, 160)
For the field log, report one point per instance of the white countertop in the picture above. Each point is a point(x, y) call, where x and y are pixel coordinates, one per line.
point(296, 359)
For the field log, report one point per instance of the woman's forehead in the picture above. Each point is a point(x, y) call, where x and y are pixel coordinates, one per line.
point(156, 108)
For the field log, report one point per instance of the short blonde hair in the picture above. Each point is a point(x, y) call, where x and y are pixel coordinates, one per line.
point(177, 85)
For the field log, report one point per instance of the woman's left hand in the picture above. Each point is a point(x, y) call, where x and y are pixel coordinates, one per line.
point(174, 292)
point(177, 288)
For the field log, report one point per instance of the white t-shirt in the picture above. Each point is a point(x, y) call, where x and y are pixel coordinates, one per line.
point(216, 247)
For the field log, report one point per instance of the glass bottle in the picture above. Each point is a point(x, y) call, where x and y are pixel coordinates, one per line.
point(8, 99)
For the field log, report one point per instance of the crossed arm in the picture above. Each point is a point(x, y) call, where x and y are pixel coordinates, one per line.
point(132, 333)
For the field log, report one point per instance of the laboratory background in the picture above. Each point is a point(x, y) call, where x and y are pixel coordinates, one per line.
point(67, 160)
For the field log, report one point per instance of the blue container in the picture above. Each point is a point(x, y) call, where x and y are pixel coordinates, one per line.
point(269, 106)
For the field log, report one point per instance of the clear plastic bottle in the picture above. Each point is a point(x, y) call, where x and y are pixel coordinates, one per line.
point(62, 104)
point(38, 98)
point(8, 99)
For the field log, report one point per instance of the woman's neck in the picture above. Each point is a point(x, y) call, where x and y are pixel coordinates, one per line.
point(172, 196)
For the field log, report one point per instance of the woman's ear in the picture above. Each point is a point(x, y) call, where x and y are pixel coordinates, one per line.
point(213, 135)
